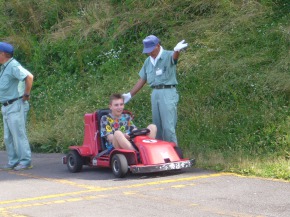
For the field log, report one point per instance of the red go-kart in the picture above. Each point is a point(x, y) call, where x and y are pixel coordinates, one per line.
point(152, 155)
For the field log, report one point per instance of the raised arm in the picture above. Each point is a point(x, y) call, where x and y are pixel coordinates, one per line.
point(179, 47)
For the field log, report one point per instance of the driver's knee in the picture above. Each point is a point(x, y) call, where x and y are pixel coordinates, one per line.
point(118, 134)
point(153, 131)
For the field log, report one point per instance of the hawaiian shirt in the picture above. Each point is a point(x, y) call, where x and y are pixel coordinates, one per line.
point(109, 124)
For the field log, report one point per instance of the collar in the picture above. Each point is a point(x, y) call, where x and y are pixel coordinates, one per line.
point(154, 61)
point(115, 117)
point(7, 62)
point(4, 65)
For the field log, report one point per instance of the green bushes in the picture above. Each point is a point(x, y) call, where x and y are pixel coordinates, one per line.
point(234, 80)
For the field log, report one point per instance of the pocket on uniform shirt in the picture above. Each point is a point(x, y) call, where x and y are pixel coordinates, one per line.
point(4, 82)
point(163, 78)
point(150, 77)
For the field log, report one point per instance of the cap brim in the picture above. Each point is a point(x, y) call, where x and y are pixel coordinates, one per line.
point(148, 49)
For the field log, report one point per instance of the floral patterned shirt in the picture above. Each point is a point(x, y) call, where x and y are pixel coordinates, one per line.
point(109, 124)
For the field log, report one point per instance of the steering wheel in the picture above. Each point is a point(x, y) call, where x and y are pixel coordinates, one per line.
point(139, 132)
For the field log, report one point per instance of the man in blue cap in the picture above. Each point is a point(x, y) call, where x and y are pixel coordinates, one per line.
point(159, 71)
point(14, 105)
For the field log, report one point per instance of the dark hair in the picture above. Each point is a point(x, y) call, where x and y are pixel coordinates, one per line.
point(115, 96)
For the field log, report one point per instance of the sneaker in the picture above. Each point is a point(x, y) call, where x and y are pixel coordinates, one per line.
point(22, 167)
point(8, 167)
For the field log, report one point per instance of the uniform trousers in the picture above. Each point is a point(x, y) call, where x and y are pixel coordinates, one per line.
point(15, 137)
point(164, 113)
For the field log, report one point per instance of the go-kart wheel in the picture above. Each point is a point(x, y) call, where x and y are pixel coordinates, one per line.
point(119, 165)
point(139, 132)
point(74, 161)
point(179, 152)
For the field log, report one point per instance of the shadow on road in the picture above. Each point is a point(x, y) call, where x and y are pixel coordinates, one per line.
point(50, 166)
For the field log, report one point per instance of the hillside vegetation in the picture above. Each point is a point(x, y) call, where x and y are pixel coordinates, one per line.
point(234, 78)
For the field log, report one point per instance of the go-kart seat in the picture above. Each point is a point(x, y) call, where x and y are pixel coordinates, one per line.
point(100, 113)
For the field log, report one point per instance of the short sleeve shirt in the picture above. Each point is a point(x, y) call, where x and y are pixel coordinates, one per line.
point(163, 73)
point(110, 124)
point(21, 84)
point(11, 73)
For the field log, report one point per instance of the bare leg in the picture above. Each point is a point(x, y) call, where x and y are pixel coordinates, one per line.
point(116, 143)
point(120, 141)
point(153, 131)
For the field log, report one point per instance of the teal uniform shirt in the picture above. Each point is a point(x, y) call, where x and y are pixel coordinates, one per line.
point(11, 73)
point(163, 73)
point(163, 101)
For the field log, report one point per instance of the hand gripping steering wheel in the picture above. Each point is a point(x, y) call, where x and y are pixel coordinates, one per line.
point(139, 132)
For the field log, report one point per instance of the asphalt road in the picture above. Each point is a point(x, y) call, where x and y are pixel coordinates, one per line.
point(49, 190)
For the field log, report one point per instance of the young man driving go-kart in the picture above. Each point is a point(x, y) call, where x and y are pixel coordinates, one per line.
point(116, 126)
point(112, 140)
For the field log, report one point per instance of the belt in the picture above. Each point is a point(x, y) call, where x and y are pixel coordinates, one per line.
point(163, 86)
point(11, 101)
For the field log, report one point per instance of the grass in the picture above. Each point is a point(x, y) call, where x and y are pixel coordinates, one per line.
point(234, 80)
point(277, 168)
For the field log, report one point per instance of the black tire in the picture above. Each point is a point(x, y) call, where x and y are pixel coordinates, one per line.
point(74, 162)
point(179, 152)
point(119, 165)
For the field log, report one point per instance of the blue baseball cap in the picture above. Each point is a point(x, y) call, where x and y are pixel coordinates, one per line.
point(6, 47)
point(150, 43)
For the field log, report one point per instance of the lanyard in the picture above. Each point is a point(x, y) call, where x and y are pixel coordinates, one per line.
point(5, 67)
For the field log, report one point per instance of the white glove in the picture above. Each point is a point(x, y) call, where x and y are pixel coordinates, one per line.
point(180, 46)
point(127, 97)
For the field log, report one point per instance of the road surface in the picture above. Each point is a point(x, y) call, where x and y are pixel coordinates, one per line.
point(50, 190)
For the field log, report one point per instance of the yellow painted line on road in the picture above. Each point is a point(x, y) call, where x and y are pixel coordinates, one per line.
point(59, 201)
point(178, 186)
point(62, 181)
point(130, 192)
point(185, 203)
point(175, 180)
point(74, 199)
point(194, 204)
point(100, 189)
point(3, 210)
point(6, 213)
point(44, 197)
point(256, 177)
